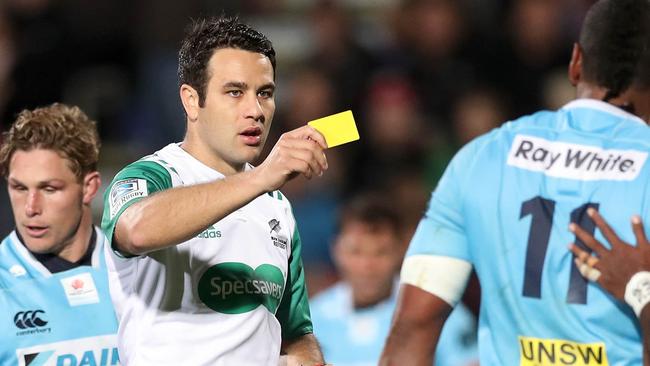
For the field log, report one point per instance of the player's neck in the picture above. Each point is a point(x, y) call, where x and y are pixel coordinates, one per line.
point(77, 245)
point(590, 91)
point(586, 90)
point(362, 302)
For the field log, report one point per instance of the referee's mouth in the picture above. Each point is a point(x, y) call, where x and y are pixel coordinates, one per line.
point(252, 136)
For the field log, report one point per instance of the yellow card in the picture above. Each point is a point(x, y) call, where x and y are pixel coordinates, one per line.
point(338, 129)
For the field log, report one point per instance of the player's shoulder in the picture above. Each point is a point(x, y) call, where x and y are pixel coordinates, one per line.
point(7, 253)
point(157, 168)
point(480, 148)
point(540, 122)
point(596, 115)
point(5, 262)
point(160, 162)
point(12, 266)
point(4, 244)
point(101, 240)
point(278, 199)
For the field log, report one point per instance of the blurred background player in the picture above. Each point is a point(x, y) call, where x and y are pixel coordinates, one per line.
point(206, 264)
point(352, 318)
point(504, 204)
point(54, 295)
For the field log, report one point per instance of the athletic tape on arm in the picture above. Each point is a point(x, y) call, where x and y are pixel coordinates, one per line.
point(445, 277)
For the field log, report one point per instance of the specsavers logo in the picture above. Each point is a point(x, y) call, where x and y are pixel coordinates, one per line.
point(236, 288)
point(556, 352)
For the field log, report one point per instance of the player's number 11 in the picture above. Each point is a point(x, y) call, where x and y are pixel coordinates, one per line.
point(541, 210)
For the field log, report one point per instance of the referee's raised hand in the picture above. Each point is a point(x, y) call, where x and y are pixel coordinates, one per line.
point(300, 151)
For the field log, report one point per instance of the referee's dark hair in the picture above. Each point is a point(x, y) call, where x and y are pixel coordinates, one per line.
point(206, 35)
point(615, 42)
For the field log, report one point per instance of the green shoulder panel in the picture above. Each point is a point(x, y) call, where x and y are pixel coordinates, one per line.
point(129, 186)
point(293, 312)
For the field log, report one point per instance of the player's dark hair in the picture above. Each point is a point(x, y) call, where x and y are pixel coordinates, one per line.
point(204, 36)
point(372, 209)
point(615, 41)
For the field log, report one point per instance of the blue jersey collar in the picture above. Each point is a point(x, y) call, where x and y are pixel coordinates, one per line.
point(602, 106)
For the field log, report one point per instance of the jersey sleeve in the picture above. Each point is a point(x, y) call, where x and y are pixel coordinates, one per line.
point(129, 186)
point(441, 231)
point(293, 312)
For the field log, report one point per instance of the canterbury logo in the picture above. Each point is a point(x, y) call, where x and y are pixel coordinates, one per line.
point(29, 319)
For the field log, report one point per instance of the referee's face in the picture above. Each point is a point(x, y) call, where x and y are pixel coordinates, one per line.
point(232, 126)
point(46, 199)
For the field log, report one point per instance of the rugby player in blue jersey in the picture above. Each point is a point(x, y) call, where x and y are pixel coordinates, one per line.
point(54, 300)
point(504, 204)
point(352, 317)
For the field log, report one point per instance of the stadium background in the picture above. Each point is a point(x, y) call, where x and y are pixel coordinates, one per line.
point(421, 76)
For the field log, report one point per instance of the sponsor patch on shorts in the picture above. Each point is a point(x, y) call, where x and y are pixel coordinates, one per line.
point(124, 191)
point(556, 352)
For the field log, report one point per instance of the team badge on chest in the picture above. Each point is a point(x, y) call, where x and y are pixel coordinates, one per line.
point(80, 289)
point(279, 240)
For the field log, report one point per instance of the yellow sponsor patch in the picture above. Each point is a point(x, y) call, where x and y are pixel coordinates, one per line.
point(556, 352)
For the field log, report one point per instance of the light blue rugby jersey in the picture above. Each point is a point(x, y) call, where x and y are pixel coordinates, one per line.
point(61, 319)
point(350, 337)
point(505, 203)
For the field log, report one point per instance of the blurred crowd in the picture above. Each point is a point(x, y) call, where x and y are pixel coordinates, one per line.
point(422, 77)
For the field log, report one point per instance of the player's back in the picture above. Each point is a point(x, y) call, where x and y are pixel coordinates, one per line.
point(521, 186)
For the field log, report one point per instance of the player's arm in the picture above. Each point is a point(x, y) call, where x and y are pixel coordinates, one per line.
point(645, 326)
point(417, 324)
point(435, 271)
point(623, 270)
point(175, 215)
point(431, 286)
point(302, 350)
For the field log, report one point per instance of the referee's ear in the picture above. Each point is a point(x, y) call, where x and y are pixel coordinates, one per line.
point(190, 100)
